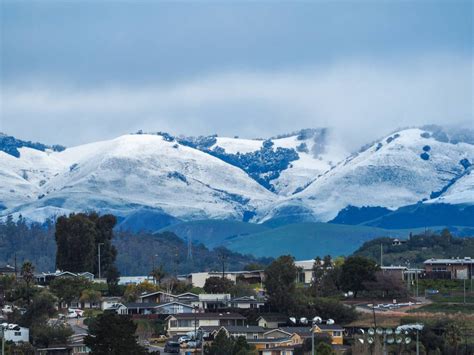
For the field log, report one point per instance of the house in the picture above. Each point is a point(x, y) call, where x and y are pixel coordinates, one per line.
point(187, 297)
point(285, 350)
point(146, 308)
point(398, 242)
point(156, 297)
point(198, 279)
point(283, 345)
point(46, 277)
point(246, 331)
point(133, 280)
point(7, 270)
point(185, 322)
point(212, 301)
point(107, 302)
point(118, 308)
point(15, 333)
point(272, 320)
point(76, 343)
point(302, 332)
point(459, 268)
point(336, 332)
point(246, 302)
point(305, 271)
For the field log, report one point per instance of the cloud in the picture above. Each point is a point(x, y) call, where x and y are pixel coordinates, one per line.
point(362, 100)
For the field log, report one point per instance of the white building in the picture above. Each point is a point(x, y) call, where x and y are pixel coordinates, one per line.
point(15, 333)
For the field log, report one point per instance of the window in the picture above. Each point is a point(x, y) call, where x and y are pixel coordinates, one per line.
point(173, 323)
point(18, 334)
point(336, 333)
point(255, 336)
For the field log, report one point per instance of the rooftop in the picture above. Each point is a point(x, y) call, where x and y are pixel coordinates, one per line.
point(208, 316)
point(458, 261)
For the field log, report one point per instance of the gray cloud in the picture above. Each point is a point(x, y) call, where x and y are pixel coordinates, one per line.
point(360, 99)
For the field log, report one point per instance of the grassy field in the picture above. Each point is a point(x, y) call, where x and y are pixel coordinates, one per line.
point(307, 240)
point(213, 233)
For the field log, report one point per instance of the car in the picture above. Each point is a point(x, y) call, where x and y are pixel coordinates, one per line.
point(194, 344)
point(172, 347)
point(79, 312)
point(184, 339)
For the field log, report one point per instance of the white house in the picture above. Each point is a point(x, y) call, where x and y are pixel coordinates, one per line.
point(15, 333)
point(246, 302)
point(183, 323)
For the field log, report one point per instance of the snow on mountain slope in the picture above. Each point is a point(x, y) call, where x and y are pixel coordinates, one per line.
point(23, 177)
point(125, 173)
point(316, 151)
point(461, 192)
point(402, 169)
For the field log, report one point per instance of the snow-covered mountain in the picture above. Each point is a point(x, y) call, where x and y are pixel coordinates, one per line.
point(125, 174)
point(404, 168)
point(306, 175)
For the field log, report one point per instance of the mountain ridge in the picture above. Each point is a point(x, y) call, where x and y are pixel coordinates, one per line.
point(303, 176)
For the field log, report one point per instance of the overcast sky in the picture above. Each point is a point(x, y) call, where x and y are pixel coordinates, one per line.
point(79, 71)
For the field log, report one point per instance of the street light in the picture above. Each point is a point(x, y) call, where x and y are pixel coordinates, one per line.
point(315, 320)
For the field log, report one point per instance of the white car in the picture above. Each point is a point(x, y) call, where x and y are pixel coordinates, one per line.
point(74, 313)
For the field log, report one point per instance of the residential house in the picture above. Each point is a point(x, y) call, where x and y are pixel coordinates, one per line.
point(107, 302)
point(246, 302)
point(15, 333)
point(156, 297)
point(459, 268)
point(133, 280)
point(272, 320)
point(212, 301)
point(198, 279)
point(186, 322)
point(146, 308)
point(336, 332)
point(246, 331)
point(46, 277)
point(302, 332)
point(272, 345)
point(285, 350)
point(305, 271)
point(7, 270)
point(187, 297)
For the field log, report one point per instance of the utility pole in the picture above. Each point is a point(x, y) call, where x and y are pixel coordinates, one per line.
point(381, 254)
point(98, 256)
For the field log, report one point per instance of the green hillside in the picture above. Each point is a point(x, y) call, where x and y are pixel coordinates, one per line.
point(307, 240)
point(213, 233)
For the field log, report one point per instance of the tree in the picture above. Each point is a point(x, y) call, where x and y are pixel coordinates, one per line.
point(222, 345)
point(158, 274)
point(113, 277)
point(68, 289)
point(357, 270)
point(41, 308)
point(28, 275)
point(280, 278)
point(225, 345)
point(218, 285)
point(113, 334)
point(45, 335)
point(242, 347)
point(90, 296)
point(387, 285)
point(77, 239)
point(324, 349)
point(133, 291)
